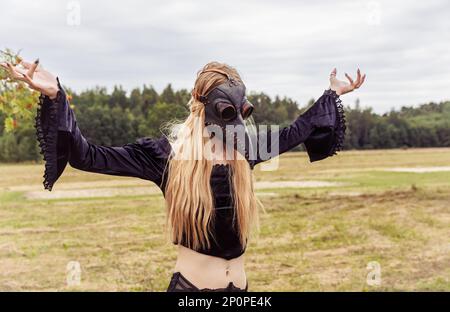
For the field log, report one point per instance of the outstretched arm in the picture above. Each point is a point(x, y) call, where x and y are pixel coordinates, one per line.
point(321, 128)
point(62, 142)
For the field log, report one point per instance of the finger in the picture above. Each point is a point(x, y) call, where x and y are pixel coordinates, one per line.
point(9, 67)
point(28, 79)
point(362, 81)
point(333, 72)
point(17, 69)
point(32, 68)
point(333, 76)
point(349, 78)
point(358, 77)
point(14, 74)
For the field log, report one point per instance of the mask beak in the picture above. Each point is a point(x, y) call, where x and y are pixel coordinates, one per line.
point(238, 138)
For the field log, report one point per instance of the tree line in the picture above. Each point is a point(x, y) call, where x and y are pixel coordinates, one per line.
point(118, 117)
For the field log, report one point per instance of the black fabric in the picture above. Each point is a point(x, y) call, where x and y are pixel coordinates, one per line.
point(179, 283)
point(321, 128)
point(226, 243)
point(328, 136)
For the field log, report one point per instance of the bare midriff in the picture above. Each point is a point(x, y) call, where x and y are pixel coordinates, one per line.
point(205, 271)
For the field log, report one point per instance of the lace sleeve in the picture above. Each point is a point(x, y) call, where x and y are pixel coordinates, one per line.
point(329, 125)
point(321, 128)
point(62, 142)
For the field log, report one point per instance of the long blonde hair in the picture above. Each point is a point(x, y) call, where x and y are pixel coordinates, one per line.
point(188, 194)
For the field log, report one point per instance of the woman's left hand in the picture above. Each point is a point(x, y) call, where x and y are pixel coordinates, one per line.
point(342, 87)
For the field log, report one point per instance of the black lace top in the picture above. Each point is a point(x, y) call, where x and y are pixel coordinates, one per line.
point(321, 128)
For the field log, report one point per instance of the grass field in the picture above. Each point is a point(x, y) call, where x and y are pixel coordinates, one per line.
point(312, 237)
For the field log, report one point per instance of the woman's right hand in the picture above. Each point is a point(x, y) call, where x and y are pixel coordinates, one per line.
point(35, 76)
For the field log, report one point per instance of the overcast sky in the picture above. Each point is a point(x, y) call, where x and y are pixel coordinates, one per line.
point(279, 47)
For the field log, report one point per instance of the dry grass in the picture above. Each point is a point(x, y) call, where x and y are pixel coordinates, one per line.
point(311, 238)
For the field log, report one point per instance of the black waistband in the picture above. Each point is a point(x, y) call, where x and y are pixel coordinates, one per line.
point(179, 283)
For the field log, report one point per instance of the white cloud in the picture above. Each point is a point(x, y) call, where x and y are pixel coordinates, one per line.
point(280, 47)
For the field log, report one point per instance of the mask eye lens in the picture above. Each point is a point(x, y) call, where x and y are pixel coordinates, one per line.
point(247, 109)
point(226, 111)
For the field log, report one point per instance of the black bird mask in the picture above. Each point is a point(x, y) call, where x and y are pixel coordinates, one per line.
point(226, 106)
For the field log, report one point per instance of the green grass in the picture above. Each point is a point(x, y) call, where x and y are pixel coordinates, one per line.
point(310, 239)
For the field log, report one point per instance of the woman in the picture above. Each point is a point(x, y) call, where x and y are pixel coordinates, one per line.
point(210, 200)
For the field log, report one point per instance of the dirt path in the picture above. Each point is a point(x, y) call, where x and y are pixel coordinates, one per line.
point(97, 189)
point(418, 169)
